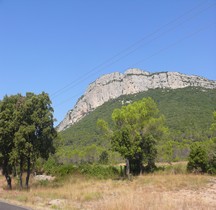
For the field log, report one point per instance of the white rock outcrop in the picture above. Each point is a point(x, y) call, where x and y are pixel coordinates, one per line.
point(111, 86)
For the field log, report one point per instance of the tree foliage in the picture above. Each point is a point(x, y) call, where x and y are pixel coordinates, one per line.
point(137, 129)
point(202, 157)
point(8, 128)
point(187, 111)
point(198, 159)
point(213, 125)
point(212, 150)
point(104, 157)
point(30, 132)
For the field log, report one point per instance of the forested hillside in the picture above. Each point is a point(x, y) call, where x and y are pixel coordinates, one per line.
point(188, 114)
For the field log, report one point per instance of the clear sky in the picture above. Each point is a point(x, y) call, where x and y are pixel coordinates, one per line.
point(60, 46)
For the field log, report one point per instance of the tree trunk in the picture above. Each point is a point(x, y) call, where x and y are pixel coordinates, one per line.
point(21, 172)
point(14, 171)
point(28, 173)
point(127, 167)
point(8, 179)
point(141, 168)
point(6, 174)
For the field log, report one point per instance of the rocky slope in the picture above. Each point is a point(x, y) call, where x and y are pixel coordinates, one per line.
point(111, 86)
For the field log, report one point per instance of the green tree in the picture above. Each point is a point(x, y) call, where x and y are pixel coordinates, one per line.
point(31, 131)
point(104, 157)
point(213, 126)
point(166, 151)
point(8, 127)
point(137, 130)
point(212, 149)
point(35, 135)
point(202, 157)
point(198, 158)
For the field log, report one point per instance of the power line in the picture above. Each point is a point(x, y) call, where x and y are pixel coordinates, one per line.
point(163, 49)
point(175, 43)
point(137, 45)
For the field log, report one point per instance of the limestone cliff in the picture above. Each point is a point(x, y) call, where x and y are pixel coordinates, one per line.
point(111, 86)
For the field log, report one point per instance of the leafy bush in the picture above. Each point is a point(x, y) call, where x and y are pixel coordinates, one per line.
point(57, 169)
point(51, 165)
point(104, 157)
point(63, 170)
point(212, 164)
point(202, 157)
point(198, 159)
point(99, 171)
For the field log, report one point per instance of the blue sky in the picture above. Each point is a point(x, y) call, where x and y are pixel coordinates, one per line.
point(60, 46)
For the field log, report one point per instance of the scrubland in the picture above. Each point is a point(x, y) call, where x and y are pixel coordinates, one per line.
point(168, 190)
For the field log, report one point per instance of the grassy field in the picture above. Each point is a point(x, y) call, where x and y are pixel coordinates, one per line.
point(162, 190)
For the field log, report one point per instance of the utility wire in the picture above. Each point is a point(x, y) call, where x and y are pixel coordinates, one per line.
point(137, 45)
point(162, 50)
point(175, 43)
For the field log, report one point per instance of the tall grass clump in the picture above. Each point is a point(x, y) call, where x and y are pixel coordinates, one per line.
point(99, 171)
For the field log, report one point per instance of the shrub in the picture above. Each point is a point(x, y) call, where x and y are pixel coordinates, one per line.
point(212, 164)
point(51, 165)
point(99, 171)
point(66, 169)
point(104, 157)
point(198, 159)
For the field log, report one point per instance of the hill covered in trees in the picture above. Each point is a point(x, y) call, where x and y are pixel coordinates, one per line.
point(188, 114)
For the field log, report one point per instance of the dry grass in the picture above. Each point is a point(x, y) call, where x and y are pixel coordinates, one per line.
point(150, 192)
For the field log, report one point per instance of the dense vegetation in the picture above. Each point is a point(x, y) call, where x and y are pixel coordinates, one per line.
point(26, 133)
point(138, 127)
point(137, 132)
point(188, 114)
point(202, 157)
point(184, 115)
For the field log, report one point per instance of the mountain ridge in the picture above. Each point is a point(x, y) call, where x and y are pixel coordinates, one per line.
point(113, 85)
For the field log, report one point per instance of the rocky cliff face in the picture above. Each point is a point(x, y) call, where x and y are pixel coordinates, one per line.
point(113, 85)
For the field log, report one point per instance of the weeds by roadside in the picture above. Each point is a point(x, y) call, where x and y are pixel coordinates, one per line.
point(170, 188)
